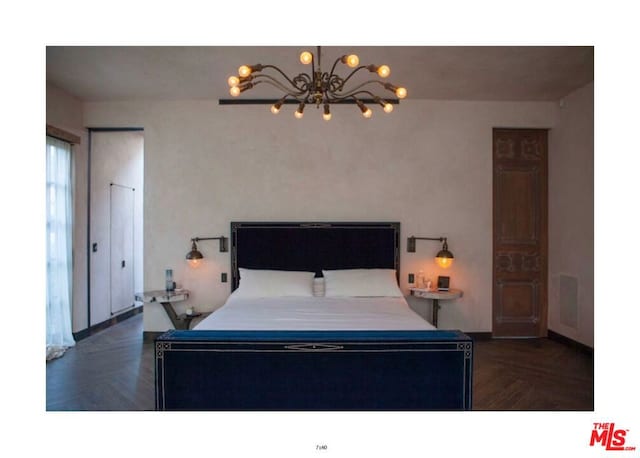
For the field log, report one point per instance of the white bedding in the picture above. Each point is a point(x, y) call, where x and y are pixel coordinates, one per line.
point(315, 313)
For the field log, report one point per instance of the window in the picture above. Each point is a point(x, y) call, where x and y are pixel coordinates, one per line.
point(59, 219)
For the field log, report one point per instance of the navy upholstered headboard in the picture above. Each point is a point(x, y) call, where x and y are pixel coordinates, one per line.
point(313, 246)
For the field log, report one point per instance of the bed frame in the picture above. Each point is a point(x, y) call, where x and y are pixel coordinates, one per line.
point(313, 370)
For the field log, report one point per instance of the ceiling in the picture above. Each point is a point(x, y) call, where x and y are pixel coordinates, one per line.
point(536, 73)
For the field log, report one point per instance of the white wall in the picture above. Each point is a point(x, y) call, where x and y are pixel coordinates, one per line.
point(65, 112)
point(571, 214)
point(427, 165)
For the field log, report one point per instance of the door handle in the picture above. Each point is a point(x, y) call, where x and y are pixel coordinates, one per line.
point(123, 264)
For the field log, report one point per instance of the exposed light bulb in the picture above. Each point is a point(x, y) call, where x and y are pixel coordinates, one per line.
point(388, 107)
point(444, 262)
point(384, 71)
point(194, 263)
point(327, 114)
point(401, 93)
point(367, 113)
point(306, 57)
point(275, 109)
point(244, 71)
point(235, 91)
point(353, 60)
point(298, 114)
point(233, 81)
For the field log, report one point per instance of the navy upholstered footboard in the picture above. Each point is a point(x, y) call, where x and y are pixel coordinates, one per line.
point(313, 370)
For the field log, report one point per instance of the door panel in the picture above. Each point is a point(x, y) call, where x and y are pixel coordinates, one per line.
point(121, 259)
point(519, 232)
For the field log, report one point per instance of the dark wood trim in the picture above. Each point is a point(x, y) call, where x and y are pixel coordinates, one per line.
point(108, 323)
point(552, 335)
point(150, 336)
point(479, 335)
point(62, 135)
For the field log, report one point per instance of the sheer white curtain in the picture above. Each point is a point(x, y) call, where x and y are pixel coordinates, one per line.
point(59, 230)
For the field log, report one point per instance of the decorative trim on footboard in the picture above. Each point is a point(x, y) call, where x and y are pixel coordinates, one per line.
point(314, 370)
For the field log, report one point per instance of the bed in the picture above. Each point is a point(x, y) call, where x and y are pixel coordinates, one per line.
point(315, 322)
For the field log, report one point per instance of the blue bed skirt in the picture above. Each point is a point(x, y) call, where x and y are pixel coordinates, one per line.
point(313, 370)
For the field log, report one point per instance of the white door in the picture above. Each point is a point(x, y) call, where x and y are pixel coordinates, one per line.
point(115, 157)
point(121, 257)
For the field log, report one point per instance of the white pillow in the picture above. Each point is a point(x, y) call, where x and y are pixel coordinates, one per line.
point(361, 282)
point(274, 283)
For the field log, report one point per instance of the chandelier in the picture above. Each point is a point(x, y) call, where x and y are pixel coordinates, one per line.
point(318, 87)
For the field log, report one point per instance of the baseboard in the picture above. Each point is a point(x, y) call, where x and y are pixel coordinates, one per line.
point(150, 336)
point(105, 324)
point(479, 335)
point(552, 335)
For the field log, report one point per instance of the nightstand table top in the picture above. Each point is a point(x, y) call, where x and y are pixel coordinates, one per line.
point(435, 294)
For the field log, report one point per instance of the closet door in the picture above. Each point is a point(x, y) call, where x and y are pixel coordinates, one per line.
point(116, 190)
point(122, 201)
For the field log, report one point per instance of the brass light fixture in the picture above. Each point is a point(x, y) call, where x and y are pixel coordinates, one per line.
point(194, 256)
point(318, 87)
point(444, 257)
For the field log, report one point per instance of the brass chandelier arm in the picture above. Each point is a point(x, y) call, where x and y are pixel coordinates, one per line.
point(274, 82)
point(333, 68)
point(358, 87)
point(282, 73)
point(344, 81)
point(352, 95)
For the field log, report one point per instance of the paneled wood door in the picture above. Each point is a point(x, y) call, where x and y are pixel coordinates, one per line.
point(519, 232)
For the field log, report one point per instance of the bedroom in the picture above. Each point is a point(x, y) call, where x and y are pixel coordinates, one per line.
point(426, 158)
point(428, 165)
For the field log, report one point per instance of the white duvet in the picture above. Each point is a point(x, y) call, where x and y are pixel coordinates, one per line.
point(315, 313)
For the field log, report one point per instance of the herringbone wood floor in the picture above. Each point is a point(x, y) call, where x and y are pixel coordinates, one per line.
point(113, 370)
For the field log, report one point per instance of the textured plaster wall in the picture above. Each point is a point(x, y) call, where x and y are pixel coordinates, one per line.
point(427, 165)
point(571, 211)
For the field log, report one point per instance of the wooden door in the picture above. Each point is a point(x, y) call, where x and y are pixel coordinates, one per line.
point(519, 232)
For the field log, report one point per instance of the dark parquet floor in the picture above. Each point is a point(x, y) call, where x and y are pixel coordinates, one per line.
point(110, 370)
point(113, 371)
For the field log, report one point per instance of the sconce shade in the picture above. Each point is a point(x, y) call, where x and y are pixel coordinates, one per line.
point(194, 256)
point(444, 258)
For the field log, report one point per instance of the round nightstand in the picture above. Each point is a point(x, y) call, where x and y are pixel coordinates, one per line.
point(435, 297)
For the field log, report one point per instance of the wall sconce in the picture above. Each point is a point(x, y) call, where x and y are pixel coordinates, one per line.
point(194, 256)
point(444, 258)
